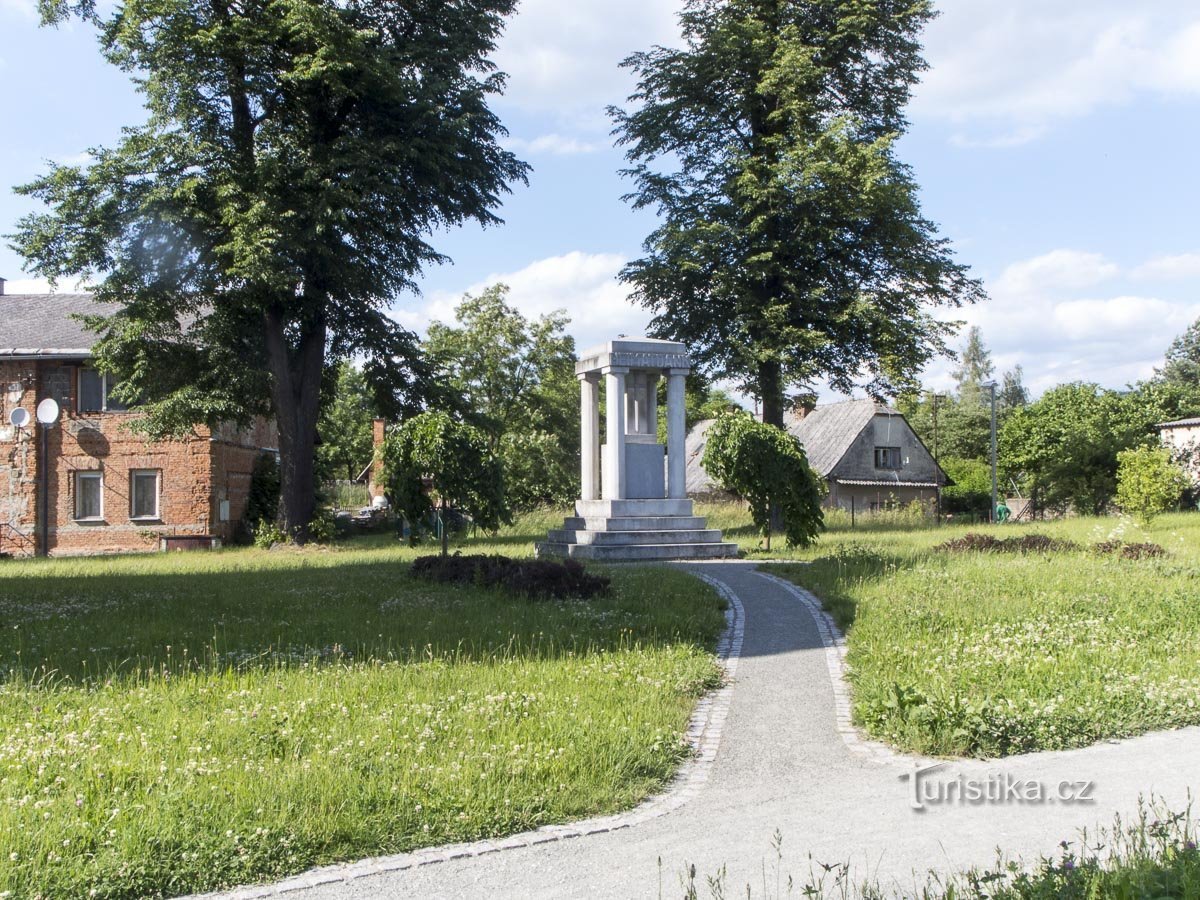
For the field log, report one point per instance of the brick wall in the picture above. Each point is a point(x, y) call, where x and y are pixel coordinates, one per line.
point(104, 442)
point(194, 475)
point(18, 460)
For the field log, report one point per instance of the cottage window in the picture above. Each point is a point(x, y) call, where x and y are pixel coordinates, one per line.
point(887, 458)
point(143, 494)
point(89, 496)
point(95, 392)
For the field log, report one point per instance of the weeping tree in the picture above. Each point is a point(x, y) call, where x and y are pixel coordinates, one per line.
point(768, 468)
point(791, 246)
point(434, 464)
point(295, 158)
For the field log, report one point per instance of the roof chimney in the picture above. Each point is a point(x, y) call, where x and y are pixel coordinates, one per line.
point(802, 405)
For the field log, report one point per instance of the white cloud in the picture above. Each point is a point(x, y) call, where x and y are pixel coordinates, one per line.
point(566, 56)
point(551, 145)
point(1056, 270)
point(583, 284)
point(1011, 70)
point(1170, 268)
point(1048, 315)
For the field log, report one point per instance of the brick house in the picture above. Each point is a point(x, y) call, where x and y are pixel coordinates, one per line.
point(107, 489)
point(867, 453)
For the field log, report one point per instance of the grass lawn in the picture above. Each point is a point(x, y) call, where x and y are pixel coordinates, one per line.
point(181, 723)
point(985, 654)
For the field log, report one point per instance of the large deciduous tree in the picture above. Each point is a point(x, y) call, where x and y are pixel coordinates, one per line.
point(296, 156)
point(792, 246)
point(515, 380)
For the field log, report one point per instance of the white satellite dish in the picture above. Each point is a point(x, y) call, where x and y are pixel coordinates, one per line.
point(19, 417)
point(47, 412)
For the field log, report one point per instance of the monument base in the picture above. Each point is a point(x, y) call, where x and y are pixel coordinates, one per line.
point(636, 530)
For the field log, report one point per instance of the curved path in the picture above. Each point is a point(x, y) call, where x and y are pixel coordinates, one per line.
point(788, 761)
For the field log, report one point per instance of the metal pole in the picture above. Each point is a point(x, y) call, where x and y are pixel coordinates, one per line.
point(995, 491)
point(937, 508)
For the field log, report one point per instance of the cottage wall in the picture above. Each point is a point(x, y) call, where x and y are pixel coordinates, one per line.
point(858, 464)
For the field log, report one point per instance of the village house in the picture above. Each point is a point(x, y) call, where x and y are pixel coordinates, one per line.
point(866, 452)
point(102, 488)
point(1182, 439)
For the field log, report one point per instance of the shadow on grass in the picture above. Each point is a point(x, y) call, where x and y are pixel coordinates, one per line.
point(87, 620)
point(836, 577)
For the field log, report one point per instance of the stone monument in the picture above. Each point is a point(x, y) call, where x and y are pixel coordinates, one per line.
point(633, 507)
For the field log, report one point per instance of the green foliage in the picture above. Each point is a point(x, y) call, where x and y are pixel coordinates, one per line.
point(262, 503)
point(1149, 482)
point(538, 471)
point(346, 424)
point(268, 534)
point(791, 246)
point(463, 473)
point(1065, 445)
point(974, 367)
point(279, 196)
point(516, 381)
point(767, 467)
point(972, 489)
point(1182, 365)
point(323, 528)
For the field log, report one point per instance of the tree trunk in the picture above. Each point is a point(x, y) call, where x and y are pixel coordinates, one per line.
point(445, 530)
point(770, 388)
point(296, 398)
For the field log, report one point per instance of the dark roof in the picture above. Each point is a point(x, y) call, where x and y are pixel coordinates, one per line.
point(33, 325)
point(1179, 423)
point(828, 431)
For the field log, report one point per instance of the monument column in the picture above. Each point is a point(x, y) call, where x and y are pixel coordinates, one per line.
point(614, 469)
point(676, 436)
point(652, 403)
point(589, 434)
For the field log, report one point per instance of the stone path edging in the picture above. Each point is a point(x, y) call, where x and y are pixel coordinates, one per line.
point(835, 658)
point(703, 733)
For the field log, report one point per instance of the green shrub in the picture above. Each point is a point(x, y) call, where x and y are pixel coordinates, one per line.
point(268, 534)
point(262, 504)
point(971, 493)
point(1148, 482)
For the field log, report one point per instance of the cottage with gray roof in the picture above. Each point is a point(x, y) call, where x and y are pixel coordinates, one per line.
point(867, 453)
point(86, 482)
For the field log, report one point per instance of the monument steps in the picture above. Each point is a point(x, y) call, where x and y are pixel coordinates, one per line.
point(638, 552)
point(638, 536)
point(635, 523)
point(646, 514)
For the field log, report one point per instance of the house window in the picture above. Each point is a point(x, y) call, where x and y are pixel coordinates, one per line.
point(143, 494)
point(887, 458)
point(89, 496)
point(95, 390)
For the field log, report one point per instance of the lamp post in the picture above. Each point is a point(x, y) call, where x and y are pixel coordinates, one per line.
point(991, 386)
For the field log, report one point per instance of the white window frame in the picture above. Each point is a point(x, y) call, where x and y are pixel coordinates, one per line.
point(104, 386)
point(82, 475)
point(133, 477)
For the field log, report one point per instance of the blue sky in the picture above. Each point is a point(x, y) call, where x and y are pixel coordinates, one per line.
point(1055, 142)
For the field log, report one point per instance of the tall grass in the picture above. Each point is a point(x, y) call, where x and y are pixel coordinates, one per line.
point(988, 654)
point(181, 723)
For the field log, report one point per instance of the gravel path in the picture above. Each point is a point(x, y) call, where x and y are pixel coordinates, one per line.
point(788, 762)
